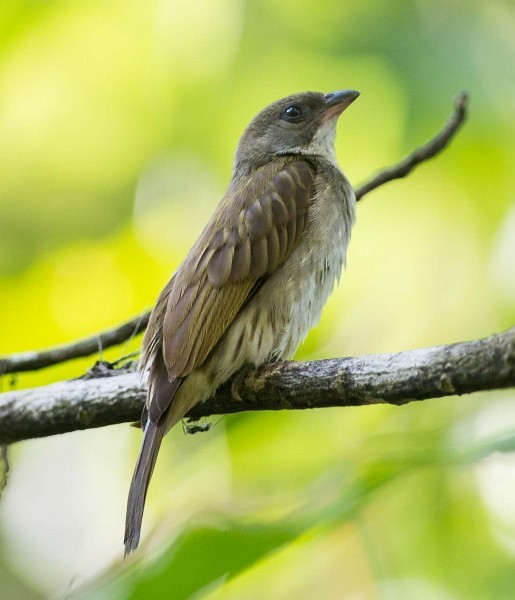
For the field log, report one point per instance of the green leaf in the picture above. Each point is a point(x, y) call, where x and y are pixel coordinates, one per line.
point(203, 556)
point(199, 558)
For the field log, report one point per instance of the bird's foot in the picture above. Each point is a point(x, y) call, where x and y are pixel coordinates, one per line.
point(238, 379)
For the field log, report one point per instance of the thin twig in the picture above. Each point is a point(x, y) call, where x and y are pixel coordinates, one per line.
point(423, 153)
point(31, 361)
point(4, 466)
point(399, 378)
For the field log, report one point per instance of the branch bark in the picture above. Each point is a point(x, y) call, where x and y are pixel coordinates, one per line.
point(428, 150)
point(34, 360)
point(456, 369)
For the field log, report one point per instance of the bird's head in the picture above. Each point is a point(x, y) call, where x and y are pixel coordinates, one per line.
point(299, 124)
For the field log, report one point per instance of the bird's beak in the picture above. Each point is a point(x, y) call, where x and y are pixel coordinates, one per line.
point(337, 102)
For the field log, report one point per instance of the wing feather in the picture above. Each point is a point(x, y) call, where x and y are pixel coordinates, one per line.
point(241, 262)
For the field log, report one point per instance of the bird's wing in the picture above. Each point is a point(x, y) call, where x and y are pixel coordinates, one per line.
point(250, 235)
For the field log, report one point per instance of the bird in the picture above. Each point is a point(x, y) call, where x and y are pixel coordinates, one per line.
point(258, 276)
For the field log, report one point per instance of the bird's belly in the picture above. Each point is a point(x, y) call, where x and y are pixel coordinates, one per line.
point(307, 298)
point(303, 290)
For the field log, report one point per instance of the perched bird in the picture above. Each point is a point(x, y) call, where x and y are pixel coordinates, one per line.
point(257, 278)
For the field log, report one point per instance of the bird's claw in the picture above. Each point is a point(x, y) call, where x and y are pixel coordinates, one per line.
point(238, 379)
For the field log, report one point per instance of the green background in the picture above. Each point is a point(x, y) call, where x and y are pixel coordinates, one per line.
point(118, 125)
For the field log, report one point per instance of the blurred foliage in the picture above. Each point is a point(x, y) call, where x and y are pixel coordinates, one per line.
point(118, 125)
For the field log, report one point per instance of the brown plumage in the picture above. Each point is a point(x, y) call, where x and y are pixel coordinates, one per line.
point(256, 279)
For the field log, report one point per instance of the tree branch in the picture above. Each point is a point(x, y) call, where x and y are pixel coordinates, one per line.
point(34, 360)
point(31, 361)
point(462, 368)
point(423, 153)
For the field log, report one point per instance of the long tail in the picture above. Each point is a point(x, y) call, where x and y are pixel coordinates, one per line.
point(152, 438)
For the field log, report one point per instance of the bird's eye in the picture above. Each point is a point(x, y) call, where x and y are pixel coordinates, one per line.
point(293, 113)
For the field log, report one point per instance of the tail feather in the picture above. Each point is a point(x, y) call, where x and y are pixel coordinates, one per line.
point(161, 392)
point(152, 438)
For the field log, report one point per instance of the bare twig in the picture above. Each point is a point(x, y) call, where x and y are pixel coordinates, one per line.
point(421, 154)
point(462, 368)
point(4, 466)
point(30, 361)
point(34, 360)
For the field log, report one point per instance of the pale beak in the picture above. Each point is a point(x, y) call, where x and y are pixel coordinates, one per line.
point(337, 102)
